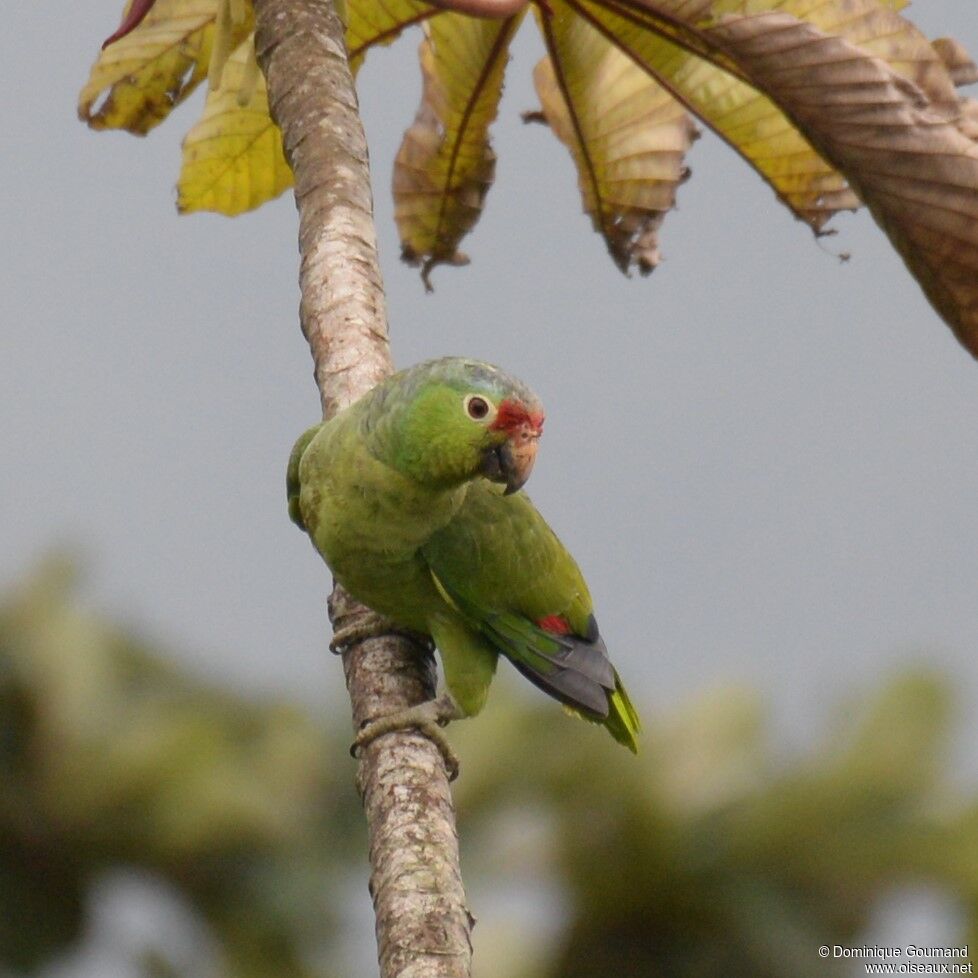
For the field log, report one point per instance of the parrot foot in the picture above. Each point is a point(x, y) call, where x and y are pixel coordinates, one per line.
point(372, 625)
point(428, 717)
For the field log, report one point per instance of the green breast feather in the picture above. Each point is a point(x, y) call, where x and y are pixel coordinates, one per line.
point(395, 494)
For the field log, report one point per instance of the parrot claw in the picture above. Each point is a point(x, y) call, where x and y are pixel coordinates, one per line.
point(372, 625)
point(429, 718)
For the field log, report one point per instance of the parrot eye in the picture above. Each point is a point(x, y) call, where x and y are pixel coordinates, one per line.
point(477, 408)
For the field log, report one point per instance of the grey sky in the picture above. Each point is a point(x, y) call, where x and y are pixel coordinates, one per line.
point(765, 460)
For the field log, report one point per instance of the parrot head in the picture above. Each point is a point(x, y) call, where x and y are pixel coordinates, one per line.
point(464, 418)
point(511, 449)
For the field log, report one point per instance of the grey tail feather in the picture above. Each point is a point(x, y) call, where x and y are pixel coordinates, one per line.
point(587, 656)
point(570, 687)
point(573, 670)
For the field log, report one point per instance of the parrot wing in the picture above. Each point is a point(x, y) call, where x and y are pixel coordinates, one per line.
point(502, 567)
point(293, 486)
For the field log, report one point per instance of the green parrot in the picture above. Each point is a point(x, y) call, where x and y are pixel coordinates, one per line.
point(412, 496)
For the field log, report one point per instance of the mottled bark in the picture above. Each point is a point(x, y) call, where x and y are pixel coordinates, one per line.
point(423, 925)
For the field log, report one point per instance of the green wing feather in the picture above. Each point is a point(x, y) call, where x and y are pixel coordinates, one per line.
point(503, 568)
point(292, 485)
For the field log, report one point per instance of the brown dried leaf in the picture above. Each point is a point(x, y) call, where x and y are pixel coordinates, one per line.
point(628, 136)
point(960, 67)
point(900, 145)
point(741, 115)
point(445, 165)
point(746, 117)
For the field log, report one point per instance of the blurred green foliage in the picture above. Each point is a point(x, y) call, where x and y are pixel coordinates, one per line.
point(709, 855)
point(111, 757)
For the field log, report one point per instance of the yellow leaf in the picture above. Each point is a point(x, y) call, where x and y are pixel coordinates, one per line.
point(627, 134)
point(445, 165)
point(737, 112)
point(232, 158)
point(138, 80)
point(745, 117)
point(380, 22)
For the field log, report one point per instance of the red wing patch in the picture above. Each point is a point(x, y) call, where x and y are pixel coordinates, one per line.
point(555, 625)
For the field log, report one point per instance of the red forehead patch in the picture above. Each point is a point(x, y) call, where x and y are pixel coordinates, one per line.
point(512, 415)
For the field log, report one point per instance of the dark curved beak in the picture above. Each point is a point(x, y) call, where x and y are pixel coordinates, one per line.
point(512, 461)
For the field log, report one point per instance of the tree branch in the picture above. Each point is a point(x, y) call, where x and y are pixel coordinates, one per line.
point(423, 925)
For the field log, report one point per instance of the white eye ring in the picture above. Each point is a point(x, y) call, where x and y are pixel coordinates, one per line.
point(478, 407)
